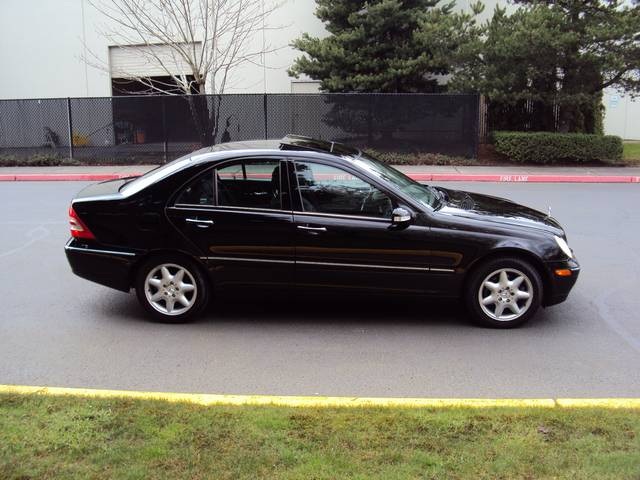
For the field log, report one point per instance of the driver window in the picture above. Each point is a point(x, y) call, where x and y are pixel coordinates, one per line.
point(327, 189)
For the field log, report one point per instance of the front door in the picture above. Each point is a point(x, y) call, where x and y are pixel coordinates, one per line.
point(241, 221)
point(345, 238)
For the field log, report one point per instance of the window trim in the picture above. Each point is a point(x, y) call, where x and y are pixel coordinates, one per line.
point(350, 171)
point(343, 215)
point(228, 209)
point(243, 161)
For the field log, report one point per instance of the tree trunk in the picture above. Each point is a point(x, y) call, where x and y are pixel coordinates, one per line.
point(202, 117)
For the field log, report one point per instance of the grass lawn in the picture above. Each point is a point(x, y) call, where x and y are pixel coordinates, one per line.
point(631, 151)
point(69, 437)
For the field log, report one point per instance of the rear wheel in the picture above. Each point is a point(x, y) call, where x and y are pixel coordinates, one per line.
point(504, 292)
point(171, 289)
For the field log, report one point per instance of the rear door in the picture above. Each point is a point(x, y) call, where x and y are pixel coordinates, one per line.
point(239, 216)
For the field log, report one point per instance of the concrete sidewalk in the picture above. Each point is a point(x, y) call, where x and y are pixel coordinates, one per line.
point(417, 172)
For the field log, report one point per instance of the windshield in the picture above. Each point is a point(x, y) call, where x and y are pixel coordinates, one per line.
point(424, 194)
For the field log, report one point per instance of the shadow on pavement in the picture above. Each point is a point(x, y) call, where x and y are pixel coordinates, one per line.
point(304, 309)
point(327, 309)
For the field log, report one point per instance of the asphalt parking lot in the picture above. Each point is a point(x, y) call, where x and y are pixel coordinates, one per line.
point(59, 330)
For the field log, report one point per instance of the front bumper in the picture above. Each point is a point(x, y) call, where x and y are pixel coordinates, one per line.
point(110, 267)
point(558, 287)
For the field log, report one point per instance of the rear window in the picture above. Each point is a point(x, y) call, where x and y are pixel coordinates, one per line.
point(163, 171)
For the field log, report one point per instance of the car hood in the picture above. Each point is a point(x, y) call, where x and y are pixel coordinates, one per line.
point(496, 210)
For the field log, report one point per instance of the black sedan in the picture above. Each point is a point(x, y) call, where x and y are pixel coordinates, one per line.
point(306, 213)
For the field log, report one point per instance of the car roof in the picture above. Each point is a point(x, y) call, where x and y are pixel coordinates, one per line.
point(289, 142)
point(225, 151)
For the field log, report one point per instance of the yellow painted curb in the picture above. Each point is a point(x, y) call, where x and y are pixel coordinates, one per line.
point(599, 402)
point(309, 401)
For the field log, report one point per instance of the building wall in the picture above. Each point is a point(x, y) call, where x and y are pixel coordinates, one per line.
point(622, 115)
point(50, 48)
point(41, 42)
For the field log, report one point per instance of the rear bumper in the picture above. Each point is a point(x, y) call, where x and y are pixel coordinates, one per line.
point(110, 267)
point(559, 287)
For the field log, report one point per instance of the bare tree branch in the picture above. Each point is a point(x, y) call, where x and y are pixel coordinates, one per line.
point(196, 43)
point(192, 45)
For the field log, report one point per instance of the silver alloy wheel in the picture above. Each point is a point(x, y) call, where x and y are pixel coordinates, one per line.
point(505, 294)
point(170, 289)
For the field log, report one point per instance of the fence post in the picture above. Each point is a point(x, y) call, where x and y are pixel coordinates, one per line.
point(165, 146)
point(264, 111)
point(370, 122)
point(70, 127)
point(482, 119)
point(477, 125)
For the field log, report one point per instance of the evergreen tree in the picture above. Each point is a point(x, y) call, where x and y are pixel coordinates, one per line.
point(372, 47)
point(547, 64)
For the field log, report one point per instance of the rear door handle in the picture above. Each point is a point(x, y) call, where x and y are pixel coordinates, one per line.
point(200, 223)
point(312, 229)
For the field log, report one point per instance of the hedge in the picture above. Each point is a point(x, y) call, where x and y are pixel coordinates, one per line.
point(547, 147)
point(416, 158)
point(56, 160)
point(36, 160)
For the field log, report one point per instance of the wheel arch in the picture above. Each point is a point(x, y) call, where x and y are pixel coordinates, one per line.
point(514, 252)
point(166, 251)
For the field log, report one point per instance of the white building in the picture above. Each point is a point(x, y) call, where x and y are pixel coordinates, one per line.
point(45, 44)
point(622, 115)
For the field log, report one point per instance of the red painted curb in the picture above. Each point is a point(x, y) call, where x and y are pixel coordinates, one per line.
point(64, 177)
point(522, 178)
point(419, 176)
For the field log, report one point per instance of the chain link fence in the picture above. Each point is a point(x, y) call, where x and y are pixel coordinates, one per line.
point(155, 129)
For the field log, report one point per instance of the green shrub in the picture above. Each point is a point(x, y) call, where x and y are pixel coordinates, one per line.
point(55, 160)
point(547, 147)
point(36, 160)
point(416, 158)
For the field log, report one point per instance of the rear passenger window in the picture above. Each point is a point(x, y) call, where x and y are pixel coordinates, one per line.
point(250, 184)
point(198, 192)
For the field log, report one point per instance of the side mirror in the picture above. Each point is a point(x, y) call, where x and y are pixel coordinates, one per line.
point(400, 216)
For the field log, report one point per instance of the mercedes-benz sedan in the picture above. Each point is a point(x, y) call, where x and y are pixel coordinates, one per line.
point(304, 213)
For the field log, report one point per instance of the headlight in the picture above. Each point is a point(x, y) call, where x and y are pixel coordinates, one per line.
point(564, 246)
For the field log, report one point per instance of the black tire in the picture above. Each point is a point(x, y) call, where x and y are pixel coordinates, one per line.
point(174, 310)
point(502, 303)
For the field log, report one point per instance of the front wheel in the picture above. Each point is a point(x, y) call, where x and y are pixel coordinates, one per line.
point(503, 292)
point(171, 289)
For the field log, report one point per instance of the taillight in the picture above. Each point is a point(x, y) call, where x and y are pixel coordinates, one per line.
point(78, 228)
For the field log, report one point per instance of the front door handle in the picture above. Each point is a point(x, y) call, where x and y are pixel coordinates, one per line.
point(200, 223)
point(312, 229)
